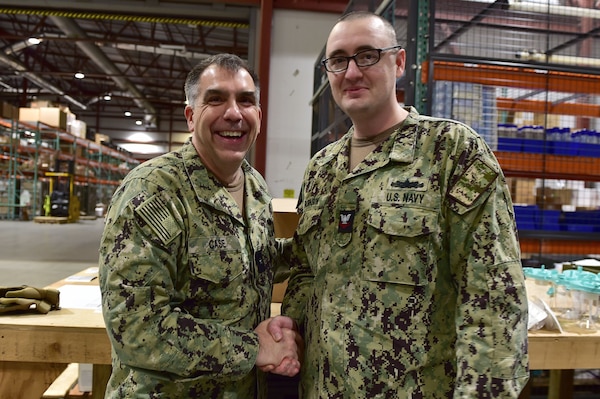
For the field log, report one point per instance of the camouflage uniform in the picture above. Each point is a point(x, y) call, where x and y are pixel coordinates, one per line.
point(185, 279)
point(407, 279)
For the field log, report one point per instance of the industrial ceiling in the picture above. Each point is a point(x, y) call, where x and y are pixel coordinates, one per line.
point(134, 54)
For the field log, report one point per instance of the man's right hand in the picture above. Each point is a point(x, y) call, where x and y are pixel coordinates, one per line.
point(280, 346)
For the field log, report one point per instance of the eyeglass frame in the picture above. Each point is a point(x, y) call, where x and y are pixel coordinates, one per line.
point(353, 57)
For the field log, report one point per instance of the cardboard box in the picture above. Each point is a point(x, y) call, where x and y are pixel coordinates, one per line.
point(41, 104)
point(553, 198)
point(77, 128)
point(285, 220)
point(522, 191)
point(102, 138)
point(54, 117)
point(8, 111)
point(285, 217)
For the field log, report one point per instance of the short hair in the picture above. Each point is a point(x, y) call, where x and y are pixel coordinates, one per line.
point(368, 14)
point(230, 62)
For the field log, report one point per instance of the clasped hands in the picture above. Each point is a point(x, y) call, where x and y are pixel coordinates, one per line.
point(280, 346)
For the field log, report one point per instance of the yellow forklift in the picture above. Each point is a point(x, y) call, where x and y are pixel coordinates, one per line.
point(61, 204)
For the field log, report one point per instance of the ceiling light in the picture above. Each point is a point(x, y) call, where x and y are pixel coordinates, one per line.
point(79, 75)
point(34, 40)
point(107, 97)
point(140, 137)
point(127, 113)
point(138, 122)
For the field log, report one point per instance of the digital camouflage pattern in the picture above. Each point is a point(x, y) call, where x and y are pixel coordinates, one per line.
point(407, 278)
point(185, 279)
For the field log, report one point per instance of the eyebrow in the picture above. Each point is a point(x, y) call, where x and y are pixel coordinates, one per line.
point(338, 53)
point(212, 92)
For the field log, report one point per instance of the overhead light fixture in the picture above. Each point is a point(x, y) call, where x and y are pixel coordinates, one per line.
point(79, 75)
point(138, 122)
point(34, 41)
point(127, 113)
point(107, 97)
point(140, 137)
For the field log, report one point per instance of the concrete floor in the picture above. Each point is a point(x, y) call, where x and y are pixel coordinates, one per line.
point(39, 254)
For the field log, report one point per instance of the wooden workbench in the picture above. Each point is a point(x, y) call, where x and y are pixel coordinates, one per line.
point(36, 348)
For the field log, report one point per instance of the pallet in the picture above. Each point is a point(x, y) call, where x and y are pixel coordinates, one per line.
point(51, 219)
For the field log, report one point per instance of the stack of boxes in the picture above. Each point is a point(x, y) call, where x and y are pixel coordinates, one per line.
point(539, 208)
point(551, 208)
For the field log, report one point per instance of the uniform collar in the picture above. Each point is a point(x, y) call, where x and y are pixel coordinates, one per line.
point(399, 147)
point(403, 148)
point(210, 191)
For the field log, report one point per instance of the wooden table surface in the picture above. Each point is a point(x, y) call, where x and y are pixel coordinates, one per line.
point(35, 348)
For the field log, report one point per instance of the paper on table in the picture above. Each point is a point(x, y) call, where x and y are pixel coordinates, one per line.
point(81, 278)
point(89, 274)
point(80, 297)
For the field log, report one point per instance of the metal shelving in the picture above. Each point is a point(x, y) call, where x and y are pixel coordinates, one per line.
point(30, 154)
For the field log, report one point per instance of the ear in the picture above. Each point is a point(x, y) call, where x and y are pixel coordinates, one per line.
point(259, 123)
point(189, 117)
point(400, 62)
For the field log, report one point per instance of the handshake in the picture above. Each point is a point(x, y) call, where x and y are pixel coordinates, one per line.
point(280, 346)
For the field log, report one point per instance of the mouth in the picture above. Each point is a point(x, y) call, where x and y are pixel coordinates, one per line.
point(354, 89)
point(232, 134)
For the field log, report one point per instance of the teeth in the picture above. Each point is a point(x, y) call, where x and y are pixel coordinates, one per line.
point(231, 134)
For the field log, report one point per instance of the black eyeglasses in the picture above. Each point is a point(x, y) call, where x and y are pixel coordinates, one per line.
point(363, 58)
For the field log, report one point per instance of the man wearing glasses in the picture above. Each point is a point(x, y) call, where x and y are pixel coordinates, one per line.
point(406, 278)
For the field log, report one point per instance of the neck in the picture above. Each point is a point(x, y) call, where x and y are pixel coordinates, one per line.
point(226, 172)
point(234, 180)
point(369, 127)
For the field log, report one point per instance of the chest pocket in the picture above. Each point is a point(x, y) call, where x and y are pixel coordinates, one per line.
point(217, 266)
point(398, 245)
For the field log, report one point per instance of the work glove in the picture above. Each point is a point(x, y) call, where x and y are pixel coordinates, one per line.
point(25, 298)
point(9, 305)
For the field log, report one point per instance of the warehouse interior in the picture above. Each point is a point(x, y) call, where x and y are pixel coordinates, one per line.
point(524, 74)
point(133, 59)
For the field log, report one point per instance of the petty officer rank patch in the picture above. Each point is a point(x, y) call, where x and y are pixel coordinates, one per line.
point(346, 221)
point(473, 182)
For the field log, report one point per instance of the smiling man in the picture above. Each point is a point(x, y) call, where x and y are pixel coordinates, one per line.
point(188, 256)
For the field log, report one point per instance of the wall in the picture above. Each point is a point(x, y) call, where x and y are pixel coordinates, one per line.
point(297, 40)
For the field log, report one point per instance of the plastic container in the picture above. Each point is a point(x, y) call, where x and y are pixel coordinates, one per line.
point(544, 283)
point(585, 290)
point(569, 303)
point(508, 139)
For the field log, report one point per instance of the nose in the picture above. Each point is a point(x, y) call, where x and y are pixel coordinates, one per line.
point(233, 112)
point(353, 68)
